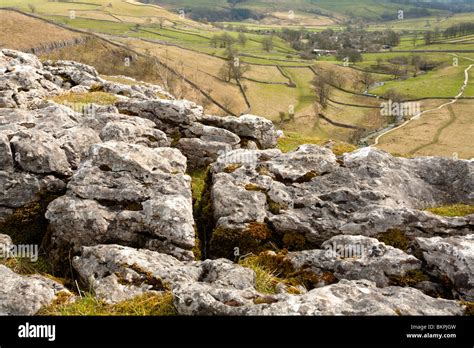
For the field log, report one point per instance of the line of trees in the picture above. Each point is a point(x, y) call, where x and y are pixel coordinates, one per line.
point(459, 30)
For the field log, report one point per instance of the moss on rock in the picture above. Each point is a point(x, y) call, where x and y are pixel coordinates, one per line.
point(256, 237)
point(395, 238)
point(411, 278)
point(27, 224)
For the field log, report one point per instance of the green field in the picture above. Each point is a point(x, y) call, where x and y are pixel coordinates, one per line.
point(278, 82)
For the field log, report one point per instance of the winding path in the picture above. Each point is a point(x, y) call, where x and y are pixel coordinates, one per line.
point(454, 100)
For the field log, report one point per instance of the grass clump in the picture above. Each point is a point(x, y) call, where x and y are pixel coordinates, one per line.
point(88, 305)
point(282, 271)
point(94, 97)
point(291, 141)
point(25, 266)
point(469, 311)
point(455, 210)
point(341, 148)
point(266, 279)
point(232, 168)
point(202, 210)
point(410, 278)
point(395, 238)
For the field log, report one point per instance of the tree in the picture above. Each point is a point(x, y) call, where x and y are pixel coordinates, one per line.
point(367, 80)
point(428, 37)
point(267, 43)
point(232, 69)
point(415, 38)
point(397, 70)
point(323, 85)
point(214, 42)
point(352, 54)
point(242, 39)
point(379, 62)
point(227, 40)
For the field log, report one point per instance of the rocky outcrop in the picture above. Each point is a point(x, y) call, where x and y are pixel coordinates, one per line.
point(219, 287)
point(451, 259)
point(309, 195)
point(203, 138)
point(116, 273)
point(107, 186)
point(127, 194)
point(26, 295)
point(249, 127)
point(344, 298)
point(354, 258)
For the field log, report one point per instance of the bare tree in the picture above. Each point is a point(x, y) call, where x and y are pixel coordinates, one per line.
point(323, 85)
point(267, 43)
point(242, 39)
point(367, 80)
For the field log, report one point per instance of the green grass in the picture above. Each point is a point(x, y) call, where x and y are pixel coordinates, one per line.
point(454, 210)
point(441, 82)
point(100, 98)
point(291, 141)
point(266, 279)
point(302, 78)
point(198, 184)
point(88, 305)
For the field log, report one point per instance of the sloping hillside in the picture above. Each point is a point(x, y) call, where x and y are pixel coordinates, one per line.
point(34, 33)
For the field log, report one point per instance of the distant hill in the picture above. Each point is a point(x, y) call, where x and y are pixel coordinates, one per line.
point(239, 10)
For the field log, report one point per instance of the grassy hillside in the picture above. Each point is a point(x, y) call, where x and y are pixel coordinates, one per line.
point(179, 53)
point(34, 33)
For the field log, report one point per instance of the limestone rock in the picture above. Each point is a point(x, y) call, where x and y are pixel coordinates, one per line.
point(116, 273)
point(134, 134)
point(26, 295)
point(128, 194)
point(354, 258)
point(255, 128)
point(313, 196)
point(6, 158)
point(38, 152)
point(347, 297)
point(451, 257)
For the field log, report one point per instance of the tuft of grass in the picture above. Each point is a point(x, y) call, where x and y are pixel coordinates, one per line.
point(411, 278)
point(291, 141)
point(341, 148)
point(88, 305)
point(395, 238)
point(122, 80)
point(232, 168)
point(26, 266)
point(101, 98)
point(198, 188)
point(469, 311)
point(274, 269)
point(266, 278)
point(198, 184)
point(454, 210)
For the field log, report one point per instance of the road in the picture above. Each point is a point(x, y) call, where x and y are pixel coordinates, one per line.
point(454, 100)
